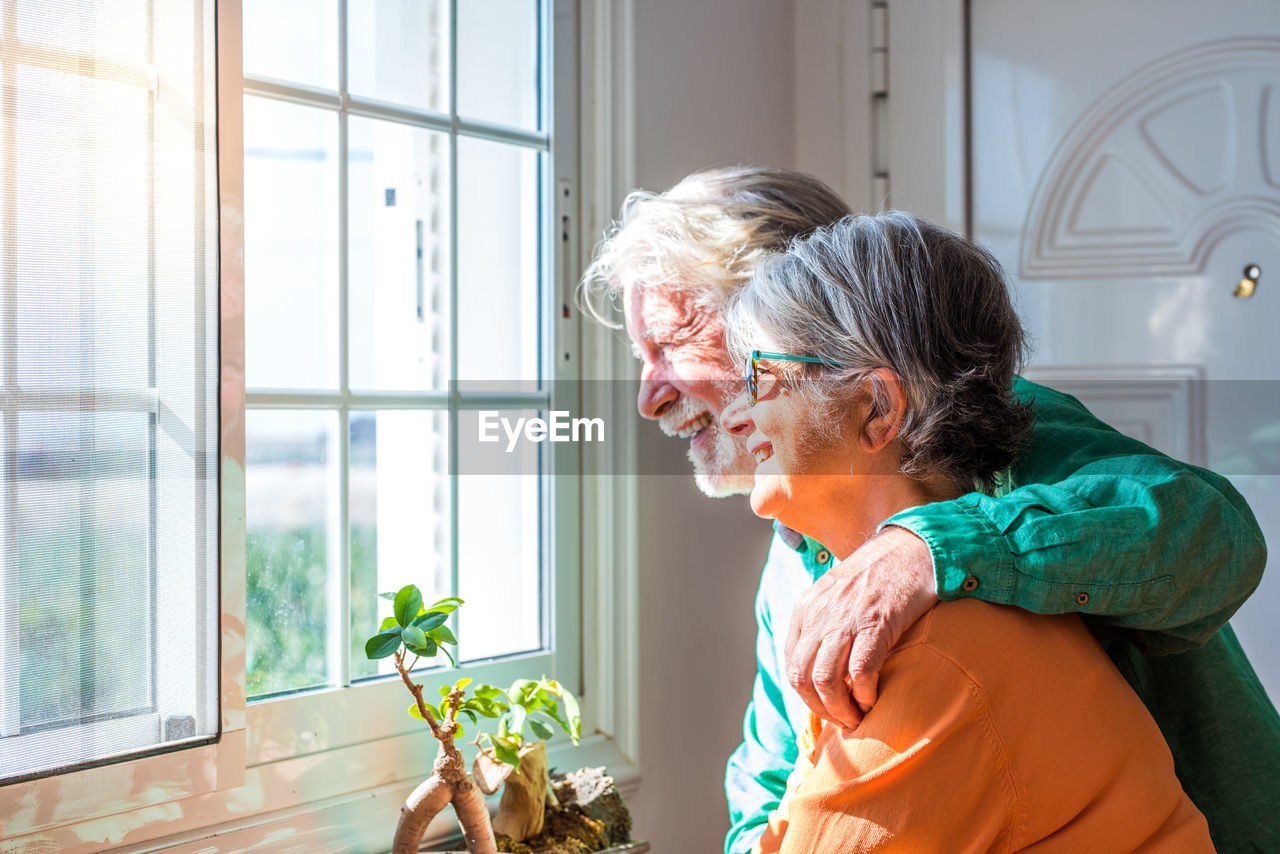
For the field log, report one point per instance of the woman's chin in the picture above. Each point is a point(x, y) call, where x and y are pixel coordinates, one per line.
point(767, 500)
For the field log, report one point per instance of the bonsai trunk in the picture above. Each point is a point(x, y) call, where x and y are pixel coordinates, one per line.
point(449, 783)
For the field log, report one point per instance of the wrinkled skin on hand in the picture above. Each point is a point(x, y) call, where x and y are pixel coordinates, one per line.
point(844, 626)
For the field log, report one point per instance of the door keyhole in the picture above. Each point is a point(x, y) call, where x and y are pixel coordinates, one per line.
point(1245, 287)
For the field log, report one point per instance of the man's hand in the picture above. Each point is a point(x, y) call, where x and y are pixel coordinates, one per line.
point(846, 623)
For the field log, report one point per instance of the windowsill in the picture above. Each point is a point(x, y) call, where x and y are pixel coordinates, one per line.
point(274, 811)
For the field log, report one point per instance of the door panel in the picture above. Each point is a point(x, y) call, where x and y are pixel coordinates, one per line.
point(1126, 170)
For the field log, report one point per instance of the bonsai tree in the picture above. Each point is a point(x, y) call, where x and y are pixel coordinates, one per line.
point(419, 631)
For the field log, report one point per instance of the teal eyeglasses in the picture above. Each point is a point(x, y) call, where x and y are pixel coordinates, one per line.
point(753, 369)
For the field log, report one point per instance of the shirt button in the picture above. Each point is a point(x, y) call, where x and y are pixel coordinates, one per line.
point(970, 584)
point(822, 556)
point(1082, 598)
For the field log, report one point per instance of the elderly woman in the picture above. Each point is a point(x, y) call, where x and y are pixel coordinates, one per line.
point(880, 355)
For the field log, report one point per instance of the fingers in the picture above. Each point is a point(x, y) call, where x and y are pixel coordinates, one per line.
point(800, 658)
point(828, 678)
point(870, 649)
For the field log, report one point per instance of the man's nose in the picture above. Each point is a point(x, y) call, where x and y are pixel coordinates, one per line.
point(736, 417)
point(656, 392)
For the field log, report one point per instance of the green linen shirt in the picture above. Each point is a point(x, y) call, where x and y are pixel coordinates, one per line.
point(1155, 553)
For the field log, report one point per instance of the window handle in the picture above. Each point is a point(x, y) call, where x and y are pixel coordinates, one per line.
point(564, 201)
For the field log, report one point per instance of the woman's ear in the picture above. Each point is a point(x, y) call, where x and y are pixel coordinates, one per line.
point(886, 410)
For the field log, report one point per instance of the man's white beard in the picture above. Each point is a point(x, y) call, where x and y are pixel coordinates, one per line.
point(723, 467)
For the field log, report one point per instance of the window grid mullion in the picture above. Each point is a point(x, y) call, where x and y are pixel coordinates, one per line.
point(353, 401)
point(340, 631)
point(355, 105)
point(151, 630)
point(10, 672)
point(453, 314)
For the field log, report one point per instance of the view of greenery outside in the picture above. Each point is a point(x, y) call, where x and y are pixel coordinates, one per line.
point(286, 645)
point(81, 654)
point(289, 567)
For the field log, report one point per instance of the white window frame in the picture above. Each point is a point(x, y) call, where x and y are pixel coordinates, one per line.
point(291, 768)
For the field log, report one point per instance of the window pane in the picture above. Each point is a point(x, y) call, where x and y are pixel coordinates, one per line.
point(291, 245)
point(117, 29)
point(499, 545)
point(291, 484)
point(400, 518)
point(85, 604)
point(499, 295)
point(66, 334)
point(498, 45)
point(294, 40)
point(398, 229)
point(108, 384)
point(398, 51)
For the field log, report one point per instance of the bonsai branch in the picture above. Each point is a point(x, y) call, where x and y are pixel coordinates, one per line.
point(416, 690)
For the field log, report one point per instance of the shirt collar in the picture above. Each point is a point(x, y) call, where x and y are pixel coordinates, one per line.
point(794, 539)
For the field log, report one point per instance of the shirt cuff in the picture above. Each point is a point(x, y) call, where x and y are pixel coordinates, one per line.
point(971, 558)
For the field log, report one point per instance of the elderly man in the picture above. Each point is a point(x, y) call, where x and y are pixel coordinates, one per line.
point(1155, 553)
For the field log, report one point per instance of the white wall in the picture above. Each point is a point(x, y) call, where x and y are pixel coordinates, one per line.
point(714, 84)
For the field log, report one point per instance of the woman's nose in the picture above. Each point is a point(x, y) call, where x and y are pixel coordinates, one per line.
point(736, 417)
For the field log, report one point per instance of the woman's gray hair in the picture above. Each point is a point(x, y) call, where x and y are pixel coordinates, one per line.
point(705, 235)
point(894, 291)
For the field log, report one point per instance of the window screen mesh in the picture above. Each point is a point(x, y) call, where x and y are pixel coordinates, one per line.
point(108, 381)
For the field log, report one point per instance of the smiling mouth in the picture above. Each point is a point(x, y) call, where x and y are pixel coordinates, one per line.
point(695, 427)
point(762, 453)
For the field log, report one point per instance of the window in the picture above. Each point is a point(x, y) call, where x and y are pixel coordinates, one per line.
point(108, 383)
point(379, 325)
point(399, 261)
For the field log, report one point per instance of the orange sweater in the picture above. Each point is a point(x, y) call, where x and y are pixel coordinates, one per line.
point(996, 730)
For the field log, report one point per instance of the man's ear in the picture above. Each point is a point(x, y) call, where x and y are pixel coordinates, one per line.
point(886, 410)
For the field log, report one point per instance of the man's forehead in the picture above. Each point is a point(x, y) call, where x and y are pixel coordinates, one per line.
point(661, 328)
point(658, 310)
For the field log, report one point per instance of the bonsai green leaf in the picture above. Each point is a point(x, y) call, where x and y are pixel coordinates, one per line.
point(462, 683)
point(484, 691)
point(522, 690)
point(414, 713)
point(442, 634)
point(574, 713)
point(382, 644)
point(390, 594)
point(457, 732)
point(388, 623)
point(427, 650)
point(515, 720)
point(541, 730)
point(407, 603)
point(444, 690)
point(488, 708)
point(429, 620)
point(470, 714)
point(447, 605)
point(506, 751)
point(414, 637)
point(447, 655)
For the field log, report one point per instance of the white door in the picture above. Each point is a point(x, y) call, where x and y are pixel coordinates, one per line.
point(1126, 170)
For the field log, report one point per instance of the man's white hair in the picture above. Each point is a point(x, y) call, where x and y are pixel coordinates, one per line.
point(704, 236)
